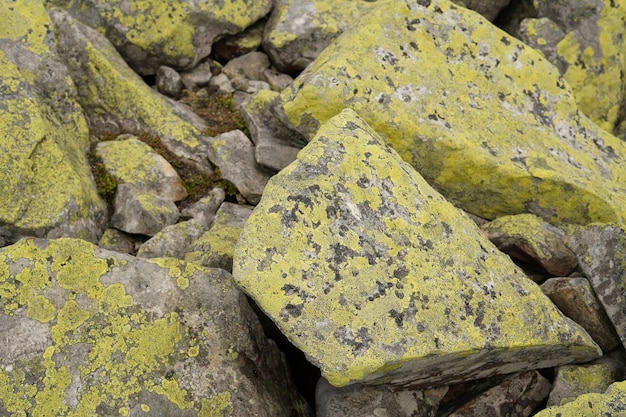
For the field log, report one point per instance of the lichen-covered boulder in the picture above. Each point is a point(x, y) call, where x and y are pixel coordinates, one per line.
point(572, 381)
point(611, 403)
point(378, 279)
point(115, 99)
point(483, 117)
point(161, 32)
point(91, 332)
point(45, 185)
point(298, 30)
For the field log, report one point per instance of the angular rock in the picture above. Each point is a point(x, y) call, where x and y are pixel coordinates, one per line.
point(249, 66)
point(298, 30)
point(601, 252)
point(233, 153)
point(277, 81)
point(46, 187)
point(169, 82)
point(611, 403)
point(215, 247)
point(131, 161)
point(173, 33)
point(98, 333)
point(374, 401)
point(204, 209)
point(576, 299)
point(220, 83)
point(172, 241)
point(483, 117)
point(116, 99)
point(529, 239)
point(378, 279)
point(249, 40)
point(117, 241)
point(142, 212)
point(275, 146)
point(197, 77)
point(517, 396)
point(542, 34)
point(572, 381)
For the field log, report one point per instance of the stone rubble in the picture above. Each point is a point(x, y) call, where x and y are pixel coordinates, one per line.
point(112, 131)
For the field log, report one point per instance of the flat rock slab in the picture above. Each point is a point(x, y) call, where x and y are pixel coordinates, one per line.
point(480, 115)
point(376, 278)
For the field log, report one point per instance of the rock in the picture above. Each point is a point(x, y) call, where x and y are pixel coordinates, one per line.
point(611, 403)
point(204, 209)
point(215, 247)
point(601, 252)
point(131, 161)
point(271, 148)
point(46, 187)
point(116, 99)
point(249, 66)
point(142, 212)
point(221, 84)
point(576, 299)
point(197, 77)
point(233, 153)
point(174, 33)
point(486, 119)
point(375, 401)
point(527, 238)
point(94, 332)
point(378, 279)
point(277, 81)
point(117, 241)
point(544, 35)
point(298, 30)
point(249, 40)
point(172, 241)
point(169, 82)
point(572, 381)
point(517, 396)
point(487, 8)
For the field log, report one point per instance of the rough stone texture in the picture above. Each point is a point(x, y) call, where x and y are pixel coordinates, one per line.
point(98, 333)
point(215, 247)
point(116, 99)
point(117, 241)
point(298, 30)
point(197, 77)
point(275, 146)
point(249, 66)
point(277, 81)
point(601, 251)
point(487, 8)
point(572, 381)
point(576, 299)
point(485, 119)
point(528, 238)
point(172, 241)
point(517, 396)
point(204, 209)
point(233, 153)
point(45, 185)
point(542, 34)
point(174, 33)
point(221, 84)
point(375, 401)
point(591, 54)
point(612, 403)
point(169, 82)
point(233, 46)
point(142, 212)
point(378, 279)
point(131, 161)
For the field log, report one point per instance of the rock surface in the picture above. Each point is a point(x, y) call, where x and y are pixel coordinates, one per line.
point(376, 278)
point(611, 403)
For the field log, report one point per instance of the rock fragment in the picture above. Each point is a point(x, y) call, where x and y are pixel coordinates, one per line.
point(572, 381)
point(142, 212)
point(611, 403)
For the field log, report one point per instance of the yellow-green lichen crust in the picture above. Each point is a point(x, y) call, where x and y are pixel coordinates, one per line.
point(612, 403)
point(577, 380)
point(481, 116)
point(374, 276)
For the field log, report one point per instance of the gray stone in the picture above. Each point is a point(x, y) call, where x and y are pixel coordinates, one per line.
point(172, 241)
point(204, 209)
point(221, 84)
point(576, 299)
point(233, 153)
point(230, 47)
point(375, 401)
point(117, 241)
point(542, 34)
point(142, 212)
point(487, 8)
point(197, 77)
point(278, 81)
point(169, 82)
point(249, 66)
point(611, 403)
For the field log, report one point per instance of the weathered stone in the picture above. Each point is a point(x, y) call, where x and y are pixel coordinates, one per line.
point(172, 241)
point(233, 153)
point(576, 299)
point(221, 84)
point(131, 161)
point(601, 252)
point(528, 238)
point(298, 30)
point(215, 247)
point(174, 33)
point(204, 209)
point(249, 66)
point(256, 86)
point(197, 77)
point(249, 40)
point(277, 80)
point(375, 401)
point(142, 212)
point(487, 8)
point(572, 381)
point(378, 279)
point(169, 82)
point(116, 99)
point(542, 34)
point(611, 403)
point(117, 241)
point(98, 333)
point(45, 184)
point(481, 116)
point(517, 396)
point(273, 146)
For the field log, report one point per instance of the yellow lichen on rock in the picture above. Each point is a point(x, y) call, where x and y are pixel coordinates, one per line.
point(611, 403)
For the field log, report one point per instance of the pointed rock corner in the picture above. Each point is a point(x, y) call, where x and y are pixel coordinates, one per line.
point(376, 278)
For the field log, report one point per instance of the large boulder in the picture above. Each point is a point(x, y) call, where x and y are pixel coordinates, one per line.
point(90, 332)
point(46, 188)
point(483, 117)
point(378, 279)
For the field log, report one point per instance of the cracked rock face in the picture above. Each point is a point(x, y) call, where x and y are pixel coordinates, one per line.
point(376, 278)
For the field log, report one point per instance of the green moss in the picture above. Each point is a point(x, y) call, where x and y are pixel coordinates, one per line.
point(218, 110)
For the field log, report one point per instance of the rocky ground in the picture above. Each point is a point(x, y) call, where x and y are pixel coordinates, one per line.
point(296, 208)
